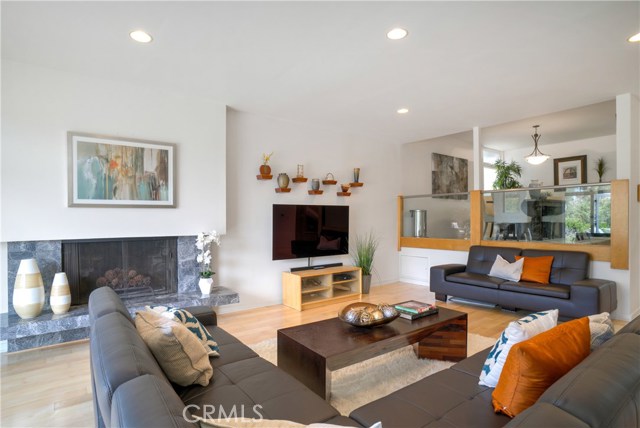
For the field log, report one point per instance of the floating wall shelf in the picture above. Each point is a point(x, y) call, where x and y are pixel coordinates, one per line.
point(281, 190)
point(299, 179)
point(264, 176)
point(329, 182)
point(357, 184)
point(316, 192)
point(343, 193)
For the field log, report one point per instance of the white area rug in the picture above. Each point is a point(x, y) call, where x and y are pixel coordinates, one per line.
point(361, 383)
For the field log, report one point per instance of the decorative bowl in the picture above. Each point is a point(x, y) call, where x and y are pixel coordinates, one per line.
point(368, 314)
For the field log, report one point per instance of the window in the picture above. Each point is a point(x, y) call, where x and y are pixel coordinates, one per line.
point(489, 158)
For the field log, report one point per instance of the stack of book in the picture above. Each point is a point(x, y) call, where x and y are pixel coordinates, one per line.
point(413, 309)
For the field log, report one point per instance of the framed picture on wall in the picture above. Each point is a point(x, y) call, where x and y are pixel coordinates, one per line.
point(106, 171)
point(568, 171)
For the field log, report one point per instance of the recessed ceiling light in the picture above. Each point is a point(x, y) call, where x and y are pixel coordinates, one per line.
point(403, 110)
point(397, 34)
point(140, 36)
point(635, 38)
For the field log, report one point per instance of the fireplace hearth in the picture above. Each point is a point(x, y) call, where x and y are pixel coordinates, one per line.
point(133, 267)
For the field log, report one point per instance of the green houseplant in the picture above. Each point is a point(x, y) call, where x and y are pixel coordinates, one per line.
point(600, 166)
point(364, 251)
point(507, 175)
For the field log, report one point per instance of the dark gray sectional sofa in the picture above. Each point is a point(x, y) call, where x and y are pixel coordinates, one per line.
point(130, 389)
point(571, 291)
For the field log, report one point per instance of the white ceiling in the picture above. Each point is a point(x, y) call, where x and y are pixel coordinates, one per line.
point(329, 64)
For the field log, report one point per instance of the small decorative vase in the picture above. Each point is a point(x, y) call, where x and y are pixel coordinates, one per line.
point(28, 291)
point(344, 187)
point(205, 285)
point(265, 169)
point(283, 180)
point(366, 284)
point(315, 184)
point(300, 173)
point(60, 299)
point(356, 175)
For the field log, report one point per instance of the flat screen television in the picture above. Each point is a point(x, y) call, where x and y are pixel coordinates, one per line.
point(304, 231)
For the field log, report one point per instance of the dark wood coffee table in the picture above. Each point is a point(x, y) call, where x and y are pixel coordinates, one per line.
point(309, 352)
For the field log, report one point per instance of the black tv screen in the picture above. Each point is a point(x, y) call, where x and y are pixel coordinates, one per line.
point(301, 231)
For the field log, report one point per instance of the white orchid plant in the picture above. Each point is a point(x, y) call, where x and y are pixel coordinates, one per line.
point(203, 244)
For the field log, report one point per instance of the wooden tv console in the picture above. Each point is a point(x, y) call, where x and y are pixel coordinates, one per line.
point(317, 287)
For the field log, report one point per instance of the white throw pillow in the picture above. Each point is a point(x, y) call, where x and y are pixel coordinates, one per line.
point(503, 269)
point(516, 332)
point(601, 329)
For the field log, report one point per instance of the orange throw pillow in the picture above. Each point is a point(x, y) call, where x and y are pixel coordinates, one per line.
point(536, 269)
point(535, 364)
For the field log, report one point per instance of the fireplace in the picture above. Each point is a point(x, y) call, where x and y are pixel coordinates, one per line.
point(133, 267)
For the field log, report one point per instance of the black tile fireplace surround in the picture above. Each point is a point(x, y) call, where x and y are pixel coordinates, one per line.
point(46, 329)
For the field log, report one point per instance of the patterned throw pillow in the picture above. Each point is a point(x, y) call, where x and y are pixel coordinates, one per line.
point(601, 329)
point(193, 325)
point(183, 358)
point(516, 332)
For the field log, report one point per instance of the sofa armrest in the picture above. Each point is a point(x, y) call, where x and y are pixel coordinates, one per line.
point(440, 272)
point(147, 401)
point(600, 294)
point(204, 314)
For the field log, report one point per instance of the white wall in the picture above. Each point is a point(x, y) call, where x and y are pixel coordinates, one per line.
point(416, 160)
point(245, 254)
point(40, 105)
point(594, 148)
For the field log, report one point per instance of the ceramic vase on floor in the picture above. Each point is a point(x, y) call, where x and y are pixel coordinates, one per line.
point(60, 299)
point(28, 291)
point(205, 285)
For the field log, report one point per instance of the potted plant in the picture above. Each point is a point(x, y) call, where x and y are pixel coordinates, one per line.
point(600, 166)
point(507, 175)
point(364, 251)
point(203, 244)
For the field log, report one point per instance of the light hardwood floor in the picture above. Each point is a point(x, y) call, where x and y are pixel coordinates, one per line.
point(50, 387)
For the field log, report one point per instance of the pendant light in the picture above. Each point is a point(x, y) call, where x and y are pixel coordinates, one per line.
point(536, 157)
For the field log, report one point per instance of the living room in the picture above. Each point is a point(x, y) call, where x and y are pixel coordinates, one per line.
point(328, 104)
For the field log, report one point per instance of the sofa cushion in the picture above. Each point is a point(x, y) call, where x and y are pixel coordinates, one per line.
point(449, 398)
point(603, 390)
point(536, 269)
point(105, 300)
point(478, 279)
point(261, 389)
point(516, 332)
point(505, 270)
point(118, 354)
point(535, 364)
point(482, 258)
point(183, 358)
point(567, 266)
point(147, 401)
point(549, 290)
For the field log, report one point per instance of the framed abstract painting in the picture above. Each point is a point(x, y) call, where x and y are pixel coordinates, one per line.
point(106, 171)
